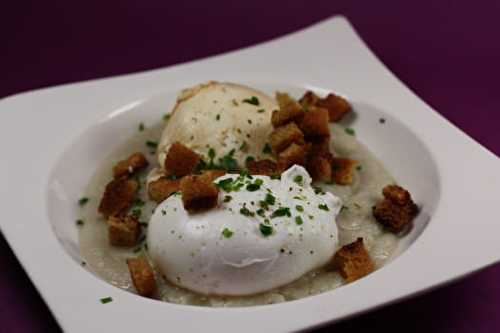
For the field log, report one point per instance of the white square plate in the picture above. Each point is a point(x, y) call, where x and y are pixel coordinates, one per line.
point(52, 140)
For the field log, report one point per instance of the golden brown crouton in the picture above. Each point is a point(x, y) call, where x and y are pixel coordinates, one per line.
point(212, 175)
point(353, 261)
point(320, 147)
point(162, 188)
point(142, 276)
point(131, 165)
point(314, 123)
point(337, 106)
point(343, 170)
point(285, 135)
point(123, 230)
point(294, 154)
point(180, 160)
point(262, 167)
point(396, 210)
point(198, 193)
point(118, 196)
point(319, 168)
point(289, 110)
point(309, 99)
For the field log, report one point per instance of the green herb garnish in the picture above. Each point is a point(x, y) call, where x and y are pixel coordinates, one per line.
point(267, 149)
point(323, 207)
point(282, 211)
point(217, 117)
point(359, 167)
point(83, 201)
point(106, 300)
point(152, 144)
point(166, 117)
point(227, 233)
point(261, 110)
point(137, 213)
point(350, 131)
point(270, 199)
point(246, 212)
point(227, 198)
point(79, 222)
point(141, 127)
point(261, 212)
point(299, 208)
point(298, 220)
point(225, 184)
point(298, 179)
point(244, 146)
point(252, 100)
point(249, 159)
point(265, 229)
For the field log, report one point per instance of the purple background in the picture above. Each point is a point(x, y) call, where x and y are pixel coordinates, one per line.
point(448, 52)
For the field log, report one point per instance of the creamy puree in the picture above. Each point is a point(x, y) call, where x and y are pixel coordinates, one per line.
point(354, 220)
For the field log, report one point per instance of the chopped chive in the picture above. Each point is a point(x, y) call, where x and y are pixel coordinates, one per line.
point(227, 233)
point(261, 212)
point(166, 117)
point(152, 144)
point(225, 184)
point(267, 149)
point(350, 131)
point(298, 179)
point(246, 212)
point(217, 117)
point(137, 213)
point(282, 211)
point(249, 159)
point(359, 167)
point(80, 222)
point(211, 153)
point(244, 146)
point(141, 127)
point(265, 229)
point(227, 198)
point(323, 207)
point(83, 201)
point(298, 220)
point(252, 100)
point(106, 300)
point(299, 208)
point(270, 199)
point(261, 110)
point(138, 202)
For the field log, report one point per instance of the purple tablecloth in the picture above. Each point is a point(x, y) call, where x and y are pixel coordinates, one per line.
point(448, 52)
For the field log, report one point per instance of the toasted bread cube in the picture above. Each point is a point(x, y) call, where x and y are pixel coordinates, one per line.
point(118, 196)
point(142, 276)
point(337, 106)
point(397, 194)
point(131, 165)
point(289, 110)
point(123, 230)
point(284, 136)
point(319, 168)
point(396, 210)
point(294, 154)
point(162, 188)
point(212, 175)
point(309, 99)
point(343, 170)
point(180, 160)
point(320, 146)
point(198, 193)
point(314, 123)
point(353, 261)
point(264, 167)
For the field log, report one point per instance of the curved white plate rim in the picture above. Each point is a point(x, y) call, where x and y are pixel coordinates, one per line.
point(448, 248)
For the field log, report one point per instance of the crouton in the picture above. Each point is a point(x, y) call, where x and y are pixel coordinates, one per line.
point(319, 168)
point(353, 261)
point(294, 154)
point(212, 175)
point(309, 99)
point(131, 165)
point(343, 170)
point(198, 193)
point(337, 106)
point(285, 135)
point(180, 160)
point(262, 167)
point(118, 196)
point(142, 276)
point(396, 210)
point(320, 146)
point(162, 188)
point(314, 123)
point(123, 230)
point(289, 110)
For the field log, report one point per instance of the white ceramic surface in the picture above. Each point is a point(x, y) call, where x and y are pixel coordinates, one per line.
point(52, 140)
